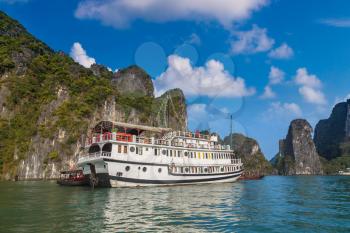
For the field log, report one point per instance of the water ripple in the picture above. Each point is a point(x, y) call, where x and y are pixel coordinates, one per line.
point(274, 204)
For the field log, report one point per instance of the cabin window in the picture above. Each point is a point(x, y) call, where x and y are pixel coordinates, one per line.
point(155, 151)
point(94, 149)
point(159, 170)
point(186, 170)
point(222, 169)
point(127, 168)
point(119, 173)
point(144, 169)
point(125, 149)
point(178, 153)
point(132, 149)
point(205, 169)
point(186, 153)
point(107, 147)
point(119, 149)
point(139, 150)
point(171, 153)
point(164, 152)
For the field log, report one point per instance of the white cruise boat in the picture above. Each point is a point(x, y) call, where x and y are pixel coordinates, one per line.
point(119, 155)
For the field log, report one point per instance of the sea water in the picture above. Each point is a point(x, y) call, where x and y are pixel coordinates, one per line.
point(273, 204)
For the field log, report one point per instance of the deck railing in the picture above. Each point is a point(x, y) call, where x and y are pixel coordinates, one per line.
point(95, 155)
point(166, 141)
point(186, 134)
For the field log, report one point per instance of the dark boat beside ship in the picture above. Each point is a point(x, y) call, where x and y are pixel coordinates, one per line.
point(72, 178)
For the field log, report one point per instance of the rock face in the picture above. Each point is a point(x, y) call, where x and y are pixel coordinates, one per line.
point(48, 103)
point(133, 79)
point(332, 135)
point(297, 155)
point(248, 149)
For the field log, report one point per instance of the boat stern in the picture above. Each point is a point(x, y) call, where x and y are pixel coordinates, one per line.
point(95, 169)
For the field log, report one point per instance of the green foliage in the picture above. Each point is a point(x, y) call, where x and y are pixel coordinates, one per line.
point(141, 103)
point(53, 155)
point(335, 165)
point(15, 40)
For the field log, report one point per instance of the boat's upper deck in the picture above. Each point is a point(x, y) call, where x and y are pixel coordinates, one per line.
point(131, 133)
point(175, 139)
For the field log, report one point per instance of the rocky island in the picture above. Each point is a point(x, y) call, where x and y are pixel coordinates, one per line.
point(332, 139)
point(297, 154)
point(255, 163)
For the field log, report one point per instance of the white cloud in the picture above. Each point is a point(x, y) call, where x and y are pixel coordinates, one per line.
point(209, 80)
point(79, 55)
point(276, 75)
point(312, 95)
point(310, 87)
point(341, 22)
point(283, 110)
point(282, 52)
point(253, 41)
point(121, 13)
point(268, 93)
point(304, 78)
point(194, 39)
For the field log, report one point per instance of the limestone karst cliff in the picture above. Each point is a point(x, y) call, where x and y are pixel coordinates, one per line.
point(332, 135)
point(298, 155)
point(48, 103)
point(248, 149)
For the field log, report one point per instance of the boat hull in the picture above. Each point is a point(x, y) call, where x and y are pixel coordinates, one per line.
point(112, 173)
point(117, 182)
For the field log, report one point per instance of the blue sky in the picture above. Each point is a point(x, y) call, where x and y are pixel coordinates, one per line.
point(266, 62)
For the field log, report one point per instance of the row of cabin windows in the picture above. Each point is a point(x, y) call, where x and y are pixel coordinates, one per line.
point(177, 153)
point(210, 169)
point(172, 153)
point(192, 154)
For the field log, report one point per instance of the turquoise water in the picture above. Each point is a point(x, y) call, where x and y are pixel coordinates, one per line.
point(274, 204)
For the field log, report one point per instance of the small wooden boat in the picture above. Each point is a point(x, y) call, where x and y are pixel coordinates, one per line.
point(72, 178)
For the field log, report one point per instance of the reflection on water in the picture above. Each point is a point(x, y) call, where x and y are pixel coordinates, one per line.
point(274, 204)
point(167, 208)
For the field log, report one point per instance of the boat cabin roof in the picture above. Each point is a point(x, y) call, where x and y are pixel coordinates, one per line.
point(70, 171)
point(109, 126)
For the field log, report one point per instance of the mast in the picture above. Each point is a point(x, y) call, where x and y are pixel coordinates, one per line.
point(231, 132)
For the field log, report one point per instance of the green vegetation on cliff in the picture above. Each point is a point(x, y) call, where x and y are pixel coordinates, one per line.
point(36, 77)
point(253, 159)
